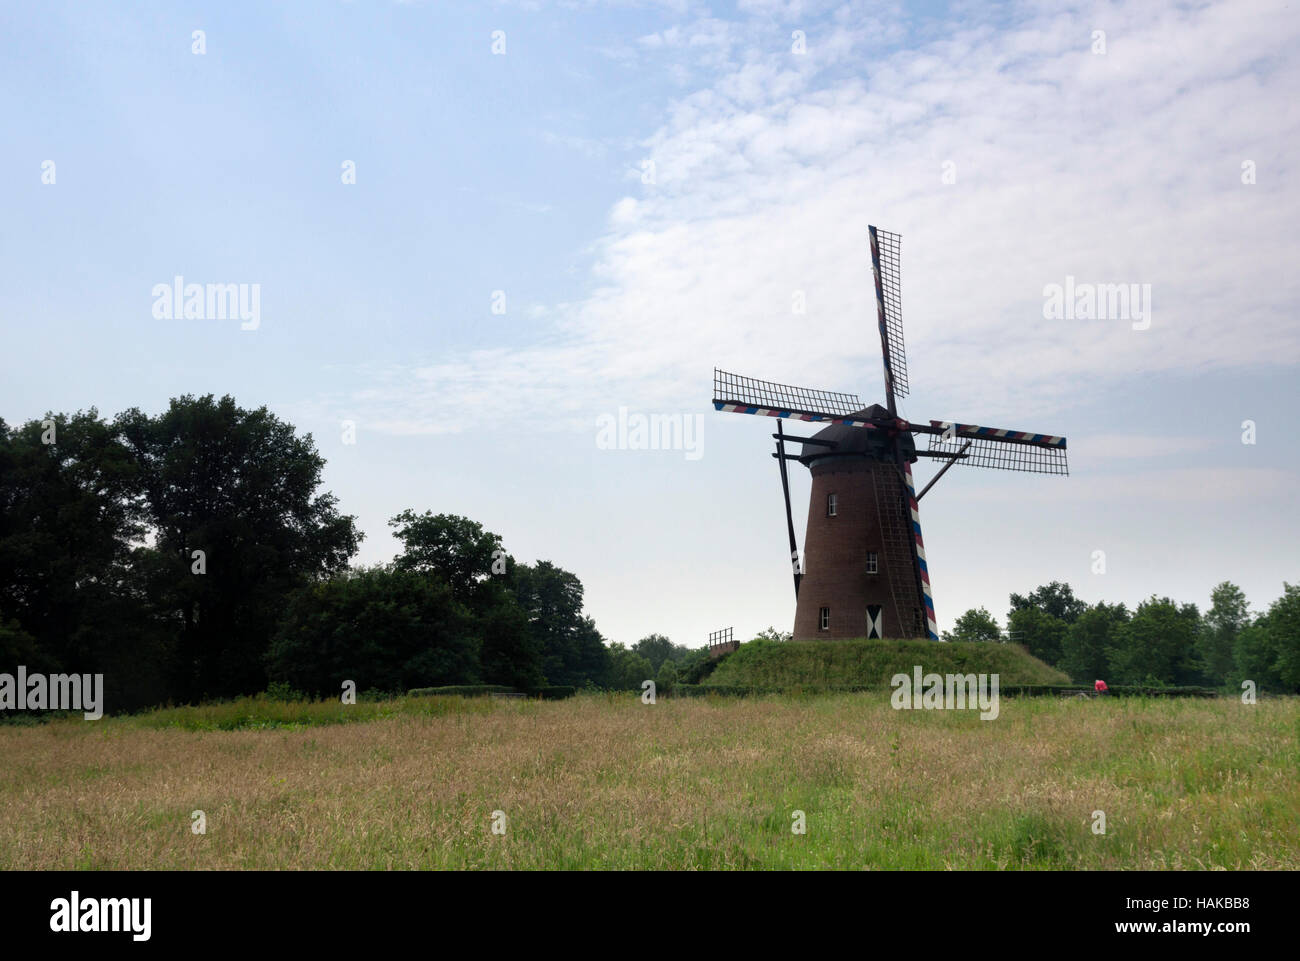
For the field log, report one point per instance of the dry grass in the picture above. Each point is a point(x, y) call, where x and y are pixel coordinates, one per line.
point(604, 781)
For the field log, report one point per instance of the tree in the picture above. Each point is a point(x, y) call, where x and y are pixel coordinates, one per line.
point(656, 648)
point(1056, 599)
point(627, 669)
point(1268, 651)
point(1255, 657)
point(452, 548)
point(19, 647)
point(772, 634)
point(382, 628)
point(666, 680)
point(572, 651)
point(975, 625)
point(1157, 645)
point(1041, 633)
point(1084, 648)
point(1228, 615)
point(561, 647)
point(239, 487)
point(72, 584)
point(592, 660)
point(509, 653)
point(1284, 625)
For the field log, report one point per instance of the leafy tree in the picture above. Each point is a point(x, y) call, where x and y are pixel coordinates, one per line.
point(1158, 643)
point(572, 650)
point(1268, 651)
point(452, 548)
point(772, 634)
point(1284, 626)
point(383, 628)
point(1228, 615)
point(975, 625)
point(1255, 657)
point(19, 647)
point(1041, 633)
point(1084, 648)
point(69, 512)
point(592, 660)
point(666, 680)
point(656, 649)
point(72, 584)
point(1056, 599)
point(241, 487)
point(510, 653)
point(561, 647)
point(627, 669)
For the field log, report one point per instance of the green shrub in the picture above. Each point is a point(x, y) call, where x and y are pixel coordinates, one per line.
point(283, 691)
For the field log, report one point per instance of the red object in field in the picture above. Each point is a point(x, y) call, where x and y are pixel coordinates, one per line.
point(1101, 686)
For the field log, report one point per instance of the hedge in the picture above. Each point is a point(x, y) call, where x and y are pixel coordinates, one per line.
point(1022, 690)
point(551, 693)
point(461, 690)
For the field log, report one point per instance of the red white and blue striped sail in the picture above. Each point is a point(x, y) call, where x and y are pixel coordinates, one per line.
point(791, 414)
point(996, 433)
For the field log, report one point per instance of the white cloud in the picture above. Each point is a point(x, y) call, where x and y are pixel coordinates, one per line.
point(1122, 168)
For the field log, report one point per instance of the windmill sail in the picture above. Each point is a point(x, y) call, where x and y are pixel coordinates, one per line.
point(748, 395)
point(1001, 449)
point(886, 252)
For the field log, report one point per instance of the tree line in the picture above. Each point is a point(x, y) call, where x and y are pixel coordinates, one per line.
point(192, 555)
point(1160, 642)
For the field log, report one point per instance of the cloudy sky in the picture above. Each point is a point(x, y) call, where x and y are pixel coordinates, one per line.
point(564, 209)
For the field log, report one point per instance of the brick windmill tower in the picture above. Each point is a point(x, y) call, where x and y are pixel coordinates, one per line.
point(866, 573)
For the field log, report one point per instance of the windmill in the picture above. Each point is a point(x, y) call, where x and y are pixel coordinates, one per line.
point(866, 573)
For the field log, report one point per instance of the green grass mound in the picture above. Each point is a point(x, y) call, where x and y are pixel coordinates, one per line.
point(871, 663)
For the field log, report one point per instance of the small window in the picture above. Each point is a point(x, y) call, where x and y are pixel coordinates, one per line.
point(873, 563)
point(825, 618)
point(831, 505)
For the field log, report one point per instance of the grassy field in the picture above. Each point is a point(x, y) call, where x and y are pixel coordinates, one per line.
point(603, 781)
point(772, 664)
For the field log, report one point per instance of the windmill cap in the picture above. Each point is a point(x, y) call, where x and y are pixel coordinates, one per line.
point(858, 441)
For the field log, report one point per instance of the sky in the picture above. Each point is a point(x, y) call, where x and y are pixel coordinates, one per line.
point(566, 210)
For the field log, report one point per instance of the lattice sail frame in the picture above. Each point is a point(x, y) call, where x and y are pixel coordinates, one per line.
point(749, 395)
point(886, 255)
point(1002, 449)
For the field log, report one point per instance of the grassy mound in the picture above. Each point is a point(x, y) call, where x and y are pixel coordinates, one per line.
point(772, 664)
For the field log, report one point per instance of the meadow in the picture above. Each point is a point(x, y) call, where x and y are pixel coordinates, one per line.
point(605, 781)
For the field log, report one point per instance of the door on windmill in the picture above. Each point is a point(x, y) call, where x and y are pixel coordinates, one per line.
point(875, 620)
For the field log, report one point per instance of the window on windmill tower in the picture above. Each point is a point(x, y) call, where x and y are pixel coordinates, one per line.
point(825, 619)
point(873, 563)
point(831, 505)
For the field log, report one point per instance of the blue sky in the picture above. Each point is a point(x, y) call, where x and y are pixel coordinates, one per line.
point(524, 172)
